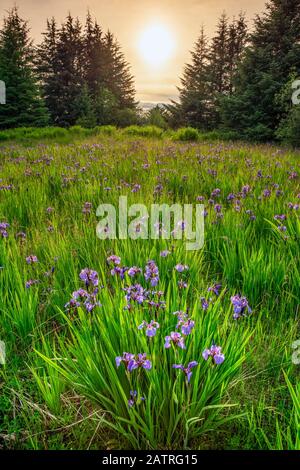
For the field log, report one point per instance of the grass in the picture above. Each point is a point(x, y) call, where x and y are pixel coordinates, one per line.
point(60, 387)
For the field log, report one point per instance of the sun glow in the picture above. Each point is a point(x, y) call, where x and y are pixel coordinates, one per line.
point(156, 45)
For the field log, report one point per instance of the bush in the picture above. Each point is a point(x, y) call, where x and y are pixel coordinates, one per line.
point(144, 131)
point(125, 117)
point(289, 129)
point(107, 130)
point(186, 134)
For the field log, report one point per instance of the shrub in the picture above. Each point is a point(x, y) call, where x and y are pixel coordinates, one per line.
point(289, 129)
point(107, 130)
point(144, 131)
point(186, 134)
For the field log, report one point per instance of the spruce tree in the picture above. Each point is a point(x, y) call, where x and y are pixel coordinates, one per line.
point(24, 106)
point(47, 66)
point(93, 54)
point(194, 91)
point(218, 57)
point(273, 53)
point(84, 108)
point(116, 74)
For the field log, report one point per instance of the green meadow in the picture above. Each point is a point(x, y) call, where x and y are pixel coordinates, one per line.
point(62, 329)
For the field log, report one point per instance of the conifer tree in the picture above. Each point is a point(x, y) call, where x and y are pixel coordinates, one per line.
point(84, 108)
point(48, 68)
point(273, 53)
point(24, 106)
point(70, 60)
point(194, 91)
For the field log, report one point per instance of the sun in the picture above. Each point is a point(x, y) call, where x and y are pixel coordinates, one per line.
point(156, 45)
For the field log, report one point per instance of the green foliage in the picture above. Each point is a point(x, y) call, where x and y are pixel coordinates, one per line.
point(186, 133)
point(273, 54)
point(156, 116)
point(209, 76)
point(143, 131)
point(84, 108)
point(23, 107)
point(125, 117)
point(289, 128)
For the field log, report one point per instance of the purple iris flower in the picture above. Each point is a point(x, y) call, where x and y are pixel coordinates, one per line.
point(136, 188)
point(151, 328)
point(133, 397)
point(182, 284)
point(133, 271)
point(136, 293)
point(181, 268)
point(240, 305)
point(186, 370)
point(184, 322)
point(266, 193)
point(187, 327)
point(140, 361)
point(126, 359)
point(215, 352)
point(152, 273)
point(3, 229)
point(90, 277)
point(31, 259)
point(31, 282)
point(215, 289)
point(82, 298)
point(164, 253)
point(176, 339)
point(215, 192)
point(87, 208)
point(119, 271)
point(132, 361)
point(280, 217)
point(204, 303)
point(114, 259)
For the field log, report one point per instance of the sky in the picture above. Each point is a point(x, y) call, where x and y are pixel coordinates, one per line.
point(132, 22)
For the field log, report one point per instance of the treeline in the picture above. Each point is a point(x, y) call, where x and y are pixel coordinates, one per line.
point(241, 81)
point(77, 75)
point(237, 82)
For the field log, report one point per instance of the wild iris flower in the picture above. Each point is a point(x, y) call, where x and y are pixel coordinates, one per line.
point(3, 229)
point(132, 361)
point(181, 267)
point(184, 322)
point(204, 303)
point(152, 273)
point(151, 328)
point(215, 289)
point(186, 370)
point(215, 352)
point(89, 276)
point(240, 306)
point(114, 259)
point(82, 298)
point(133, 400)
point(176, 339)
point(31, 282)
point(136, 293)
point(164, 253)
point(133, 271)
point(31, 259)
